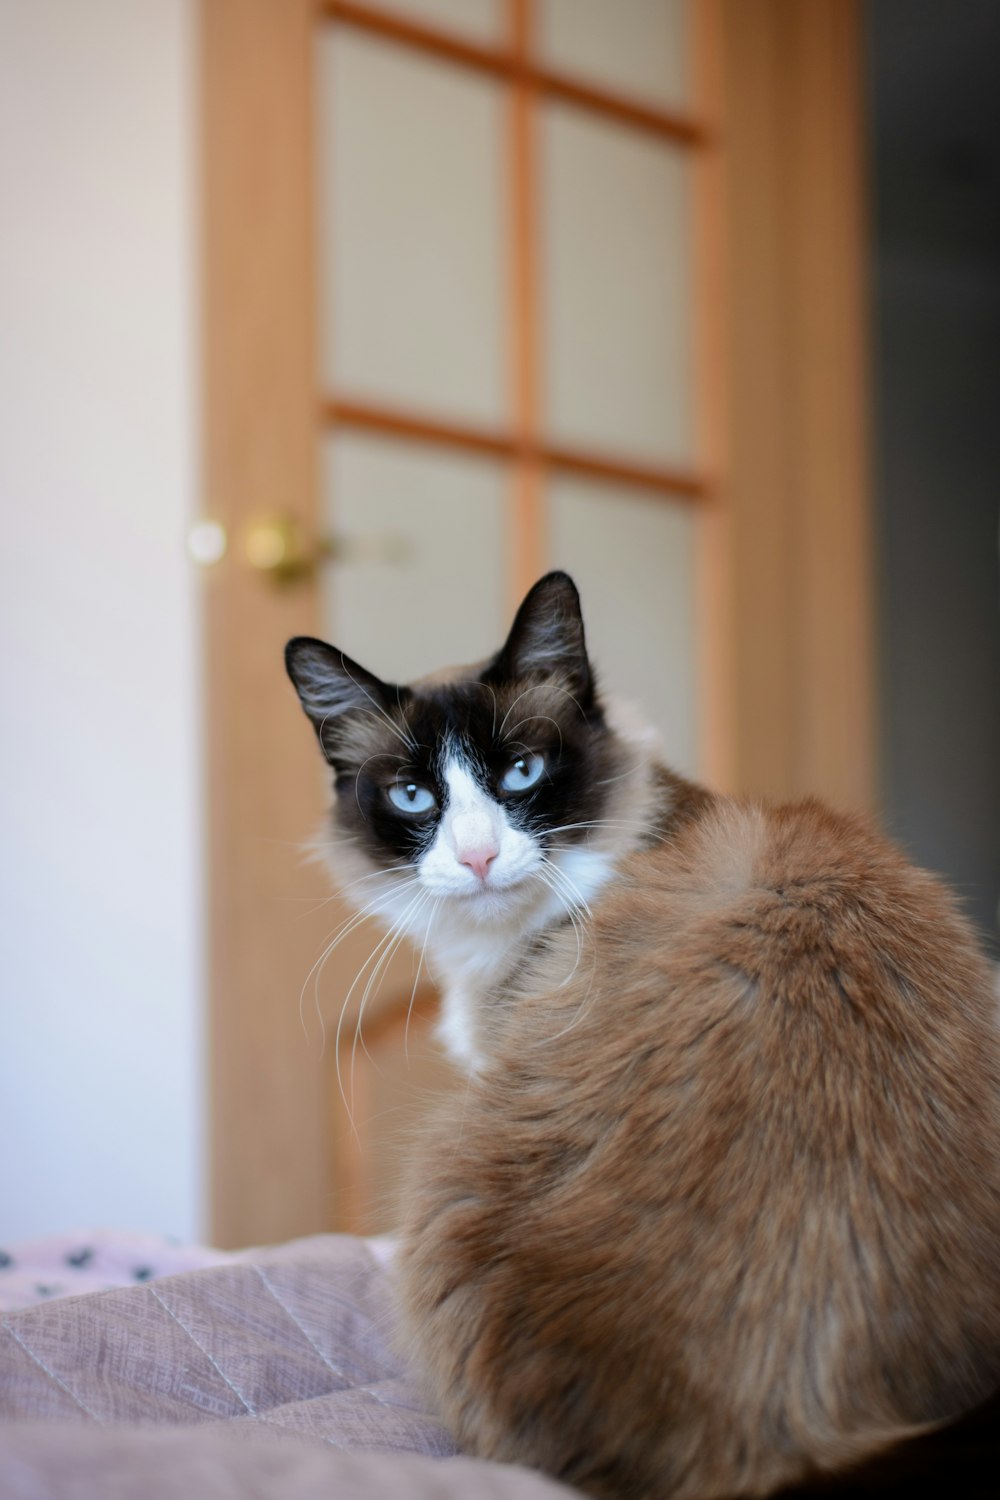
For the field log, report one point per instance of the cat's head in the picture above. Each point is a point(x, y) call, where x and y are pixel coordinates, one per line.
point(481, 782)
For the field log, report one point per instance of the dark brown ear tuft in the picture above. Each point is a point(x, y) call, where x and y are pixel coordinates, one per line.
point(330, 685)
point(547, 639)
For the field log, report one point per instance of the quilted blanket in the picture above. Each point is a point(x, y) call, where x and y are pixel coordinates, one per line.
point(273, 1375)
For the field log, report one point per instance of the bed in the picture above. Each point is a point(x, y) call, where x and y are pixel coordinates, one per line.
point(271, 1373)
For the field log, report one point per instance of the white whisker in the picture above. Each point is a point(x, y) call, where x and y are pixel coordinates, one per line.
point(528, 718)
point(546, 877)
point(349, 925)
point(510, 710)
point(397, 729)
point(318, 902)
point(395, 935)
point(317, 968)
point(577, 898)
point(581, 1011)
point(494, 697)
point(635, 824)
point(396, 931)
point(632, 771)
point(379, 755)
point(413, 992)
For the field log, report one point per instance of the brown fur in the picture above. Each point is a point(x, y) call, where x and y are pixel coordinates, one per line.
point(724, 1210)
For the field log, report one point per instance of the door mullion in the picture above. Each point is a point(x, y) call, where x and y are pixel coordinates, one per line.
point(528, 542)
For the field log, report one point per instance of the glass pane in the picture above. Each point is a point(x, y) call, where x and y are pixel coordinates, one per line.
point(479, 20)
point(633, 559)
point(412, 229)
point(635, 47)
point(616, 288)
point(422, 585)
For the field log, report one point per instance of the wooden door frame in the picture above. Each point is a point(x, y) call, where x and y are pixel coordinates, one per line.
point(785, 592)
point(267, 1152)
point(795, 670)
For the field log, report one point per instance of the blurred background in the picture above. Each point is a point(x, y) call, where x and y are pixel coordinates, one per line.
point(352, 319)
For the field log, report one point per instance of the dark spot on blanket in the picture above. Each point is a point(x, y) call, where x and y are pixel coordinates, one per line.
point(80, 1258)
point(143, 1273)
point(45, 1291)
point(5, 1260)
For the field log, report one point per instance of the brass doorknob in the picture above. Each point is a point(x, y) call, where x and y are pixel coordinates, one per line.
point(280, 547)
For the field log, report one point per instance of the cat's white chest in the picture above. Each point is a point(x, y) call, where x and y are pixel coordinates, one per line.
point(471, 962)
point(456, 1029)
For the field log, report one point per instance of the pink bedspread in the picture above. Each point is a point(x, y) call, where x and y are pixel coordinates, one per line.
point(273, 1373)
point(92, 1260)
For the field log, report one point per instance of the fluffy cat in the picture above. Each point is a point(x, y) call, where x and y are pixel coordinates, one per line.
point(719, 1210)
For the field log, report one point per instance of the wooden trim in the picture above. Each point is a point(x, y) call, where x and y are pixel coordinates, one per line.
point(391, 422)
point(799, 571)
point(828, 404)
point(670, 125)
point(268, 1144)
point(516, 66)
point(680, 483)
point(529, 552)
point(713, 581)
point(370, 417)
point(393, 27)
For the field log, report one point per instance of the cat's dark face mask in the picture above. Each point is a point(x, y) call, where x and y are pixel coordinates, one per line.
point(520, 742)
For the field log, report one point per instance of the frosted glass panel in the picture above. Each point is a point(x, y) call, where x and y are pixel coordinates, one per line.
point(633, 560)
point(616, 288)
point(425, 589)
point(638, 47)
point(412, 228)
point(480, 20)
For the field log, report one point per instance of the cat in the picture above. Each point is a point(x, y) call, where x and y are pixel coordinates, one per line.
point(717, 1211)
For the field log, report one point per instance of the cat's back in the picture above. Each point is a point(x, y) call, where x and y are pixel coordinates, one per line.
point(786, 1003)
point(729, 1193)
point(780, 924)
point(804, 903)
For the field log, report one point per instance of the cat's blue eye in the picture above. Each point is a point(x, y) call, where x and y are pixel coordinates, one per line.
point(523, 773)
point(411, 797)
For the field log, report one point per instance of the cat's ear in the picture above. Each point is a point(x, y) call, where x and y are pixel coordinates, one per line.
point(330, 685)
point(547, 639)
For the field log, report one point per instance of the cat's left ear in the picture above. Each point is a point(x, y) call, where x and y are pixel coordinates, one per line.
point(330, 686)
point(547, 639)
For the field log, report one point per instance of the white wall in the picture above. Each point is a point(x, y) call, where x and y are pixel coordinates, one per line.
point(100, 969)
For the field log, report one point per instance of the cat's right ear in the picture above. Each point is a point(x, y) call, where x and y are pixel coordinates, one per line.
point(547, 638)
point(331, 685)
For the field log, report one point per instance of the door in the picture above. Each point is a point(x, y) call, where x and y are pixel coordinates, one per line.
point(465, 271)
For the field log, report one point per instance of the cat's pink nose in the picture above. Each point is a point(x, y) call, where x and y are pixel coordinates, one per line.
point(478, 860)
